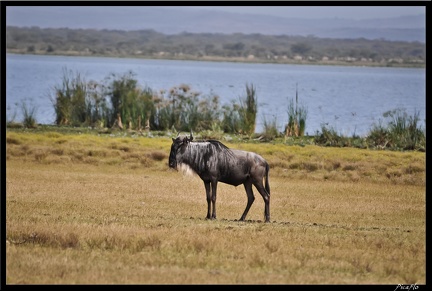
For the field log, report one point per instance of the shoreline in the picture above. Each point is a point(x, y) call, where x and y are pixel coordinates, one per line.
point(235, 60)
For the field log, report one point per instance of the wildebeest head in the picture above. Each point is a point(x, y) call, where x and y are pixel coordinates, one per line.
point(179, 144)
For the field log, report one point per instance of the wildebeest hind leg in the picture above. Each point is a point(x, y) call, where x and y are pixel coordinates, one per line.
point(266, 197)
point(250, 198)
point(213, 198)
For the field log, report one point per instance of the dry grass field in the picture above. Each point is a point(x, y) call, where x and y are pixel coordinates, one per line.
point(89, 209)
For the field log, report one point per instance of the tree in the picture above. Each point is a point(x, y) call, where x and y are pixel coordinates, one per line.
point(301, 48)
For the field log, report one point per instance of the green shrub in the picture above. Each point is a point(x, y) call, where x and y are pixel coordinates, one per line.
point(402, 132)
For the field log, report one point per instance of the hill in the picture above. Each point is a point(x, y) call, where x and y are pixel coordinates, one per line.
point(175, 20)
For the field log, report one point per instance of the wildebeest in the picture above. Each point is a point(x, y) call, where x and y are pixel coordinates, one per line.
point(213, 162)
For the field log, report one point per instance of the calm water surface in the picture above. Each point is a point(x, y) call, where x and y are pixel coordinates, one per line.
point(348, 99)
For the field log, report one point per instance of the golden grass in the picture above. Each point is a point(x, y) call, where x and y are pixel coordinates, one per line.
point(84, 209)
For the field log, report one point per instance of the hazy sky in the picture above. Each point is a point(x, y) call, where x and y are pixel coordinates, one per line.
point(325, 11)
point(350, 12)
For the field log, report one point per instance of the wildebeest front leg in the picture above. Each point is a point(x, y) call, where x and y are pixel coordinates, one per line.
point(250, 198)
point(211, 199)
point(208, 197)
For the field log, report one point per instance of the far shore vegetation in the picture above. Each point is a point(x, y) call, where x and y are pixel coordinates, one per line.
point(238, 47)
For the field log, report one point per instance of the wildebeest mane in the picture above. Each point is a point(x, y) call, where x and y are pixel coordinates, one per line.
point(218, 146)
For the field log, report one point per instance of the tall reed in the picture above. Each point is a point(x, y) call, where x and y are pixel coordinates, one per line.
point(297, 116)
point(70, 99)
point(248, 110)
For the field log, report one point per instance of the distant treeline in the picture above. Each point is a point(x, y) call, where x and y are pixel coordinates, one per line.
point(213, 46)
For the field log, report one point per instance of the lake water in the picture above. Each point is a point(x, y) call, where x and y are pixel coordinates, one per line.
point(347, 99)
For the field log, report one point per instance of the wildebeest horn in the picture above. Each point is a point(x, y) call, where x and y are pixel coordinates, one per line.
point(175, 129)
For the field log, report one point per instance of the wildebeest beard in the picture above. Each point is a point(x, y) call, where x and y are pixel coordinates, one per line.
point(206, 156)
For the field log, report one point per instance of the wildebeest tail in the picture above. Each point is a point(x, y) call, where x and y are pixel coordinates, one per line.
point(267, 186)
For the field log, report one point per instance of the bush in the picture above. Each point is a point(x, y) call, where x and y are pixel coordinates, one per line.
point(270, 130)
point(329, 137)
point(401, 133)
point(70, 100)
point(29, 114)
